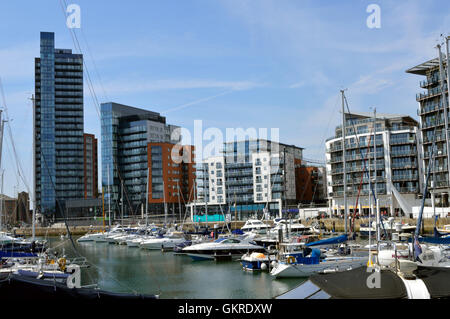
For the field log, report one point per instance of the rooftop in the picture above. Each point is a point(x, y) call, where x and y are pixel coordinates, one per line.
point(131, 113)
point(385, 116)
point(264, 140)
point(422, 69)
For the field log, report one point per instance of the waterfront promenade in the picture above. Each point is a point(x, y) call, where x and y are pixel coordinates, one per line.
point(60, 229)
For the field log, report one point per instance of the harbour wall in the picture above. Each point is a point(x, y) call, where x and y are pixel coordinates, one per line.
point(76, 230)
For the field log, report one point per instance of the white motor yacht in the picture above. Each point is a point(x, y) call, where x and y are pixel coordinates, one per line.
point(117, 230)
point(91, 236)
point(168, 241)
point(255, 225)
point(292, 226)
point(223, 248)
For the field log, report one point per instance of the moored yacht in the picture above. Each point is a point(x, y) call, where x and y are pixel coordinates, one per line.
point(255, 225)
point(292, 226)
point(389, 225)
point(168, 241)
point(223, 248)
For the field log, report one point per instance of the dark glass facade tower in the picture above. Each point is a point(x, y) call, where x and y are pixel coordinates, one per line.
point(126, 132)
point(58, 124)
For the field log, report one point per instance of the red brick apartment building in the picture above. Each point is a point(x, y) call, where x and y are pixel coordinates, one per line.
point(90, 160)
point(171, 176)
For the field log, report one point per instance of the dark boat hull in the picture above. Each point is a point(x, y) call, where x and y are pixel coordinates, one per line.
point(16, 287)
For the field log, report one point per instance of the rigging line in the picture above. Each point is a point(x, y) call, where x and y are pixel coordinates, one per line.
point(184, 202)
point(91, 87)
point(316, 161)
point(359, 189)
point(18, 163)
point(73, 34)
point(368, 150)
point(359, 148)
point(95, 65)
point(324, 138)
point(16, 173)
point(313, 195)
point(69, 234)
point(78, 47)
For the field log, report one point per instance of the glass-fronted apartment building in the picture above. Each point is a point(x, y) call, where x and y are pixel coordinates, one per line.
point(433, 125)
point(248, 178)
point(395, 162)
point(125, 134)
point(58, 125)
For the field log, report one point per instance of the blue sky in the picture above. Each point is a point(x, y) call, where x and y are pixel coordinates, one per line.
point(230, 63)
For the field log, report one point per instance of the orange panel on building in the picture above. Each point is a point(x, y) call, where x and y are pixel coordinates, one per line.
point(178, 173)
point(90, 166)
point(306, 182)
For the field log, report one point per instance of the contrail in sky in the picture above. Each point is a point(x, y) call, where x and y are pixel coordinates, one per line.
point(198, 101)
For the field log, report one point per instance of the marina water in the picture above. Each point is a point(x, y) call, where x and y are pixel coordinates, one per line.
point(120, 268)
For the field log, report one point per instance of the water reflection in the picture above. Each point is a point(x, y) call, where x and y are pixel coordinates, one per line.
point(123, 269)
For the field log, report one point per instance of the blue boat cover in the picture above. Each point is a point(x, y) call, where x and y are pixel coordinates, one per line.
point(16, 254)
point(328, 241)
point(433, 240)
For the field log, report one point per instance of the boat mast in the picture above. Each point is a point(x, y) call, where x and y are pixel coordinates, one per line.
point(2, 196)
point(2, 201)
point(376, 201)
point(284, 182)
point(179, 203)
point(205, 167)
point(146, 198)
point(343, 165)
point(121, 197)
point(444, 100)
point(447, 49)
point(109, 201)
point(33, 221)
point(165, 205)
point(103, 207)
point(235, 211)
point(195, 198)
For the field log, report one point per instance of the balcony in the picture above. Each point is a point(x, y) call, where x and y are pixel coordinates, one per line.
point(244, 181)
point(404, 165)
point(439, 169)
point(431, 93)
point(429, 81)
point(431, 124)
point(408, 190)
point(439, 153)
point(403, 153)
point(438, 138)
point(397, 141)
point(405, 177)
point(430, 108)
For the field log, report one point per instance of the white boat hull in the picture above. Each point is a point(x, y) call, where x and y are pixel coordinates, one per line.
point(161, 243)
point(284, 270)
point(90, 237)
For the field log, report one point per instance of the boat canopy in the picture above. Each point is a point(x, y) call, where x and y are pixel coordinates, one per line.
point(351, 284)
point(220, 240)
point(329, 241)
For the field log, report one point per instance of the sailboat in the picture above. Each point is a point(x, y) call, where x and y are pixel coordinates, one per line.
point(400, 271)
point(310, 259)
